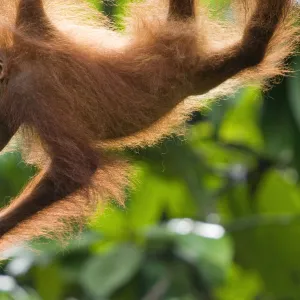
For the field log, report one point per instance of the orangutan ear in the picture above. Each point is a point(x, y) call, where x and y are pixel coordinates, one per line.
point(32, 19)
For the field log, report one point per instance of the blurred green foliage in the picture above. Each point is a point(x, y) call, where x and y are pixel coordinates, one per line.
point(214, 216)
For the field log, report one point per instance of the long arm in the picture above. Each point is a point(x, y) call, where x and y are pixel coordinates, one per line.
point(161, 69)
point(45, 190)
point(248, 52)
point(51, 185)
point(39, 194)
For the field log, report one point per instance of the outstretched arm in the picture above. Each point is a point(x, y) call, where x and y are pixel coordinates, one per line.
point(46, 189)
point(248, 52)
point(39, 194)
point(51, 185)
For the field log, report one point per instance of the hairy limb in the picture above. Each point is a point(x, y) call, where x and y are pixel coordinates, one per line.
point(249, 52)
point(31, 17)
point(70, 171)
point(38, 195)
point(43, 191)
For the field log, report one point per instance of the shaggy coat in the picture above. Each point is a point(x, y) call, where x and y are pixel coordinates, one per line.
point(75, 90)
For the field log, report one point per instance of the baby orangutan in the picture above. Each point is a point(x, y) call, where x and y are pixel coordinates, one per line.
point(75, 90)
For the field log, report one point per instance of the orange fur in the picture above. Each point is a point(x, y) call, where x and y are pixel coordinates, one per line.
point(76, 90)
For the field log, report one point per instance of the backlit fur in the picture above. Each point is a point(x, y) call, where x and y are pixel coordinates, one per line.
point(77, 91)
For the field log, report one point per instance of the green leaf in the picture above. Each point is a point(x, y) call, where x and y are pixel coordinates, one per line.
point(241, 122)
point(268, 242)
point(240, 285)
point(48, 282)
point(105, 274)
point(156, 195)
point(212, 257)
point(277, 124)
point(278, 195)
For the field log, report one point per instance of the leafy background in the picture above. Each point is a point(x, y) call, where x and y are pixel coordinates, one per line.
point(213, 216)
